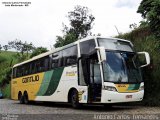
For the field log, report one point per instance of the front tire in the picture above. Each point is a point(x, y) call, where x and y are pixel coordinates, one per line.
point(75, 100)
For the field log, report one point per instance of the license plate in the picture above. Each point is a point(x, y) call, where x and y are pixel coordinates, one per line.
point(128, 96)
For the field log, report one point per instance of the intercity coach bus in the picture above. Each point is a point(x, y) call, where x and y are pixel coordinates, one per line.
point(91, 70)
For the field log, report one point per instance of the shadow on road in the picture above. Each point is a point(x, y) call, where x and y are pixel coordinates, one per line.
point(96, 108)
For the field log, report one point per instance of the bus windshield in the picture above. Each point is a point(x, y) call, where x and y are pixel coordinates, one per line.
point(121, 67)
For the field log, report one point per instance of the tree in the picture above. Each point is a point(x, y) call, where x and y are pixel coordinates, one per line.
point(28, 47)
point(80, 25)
point(66, 39)
point(6, 47)
point(38, 51)
point(80, 21)
point(21, 47)
point(149, 9)
point(133, 26)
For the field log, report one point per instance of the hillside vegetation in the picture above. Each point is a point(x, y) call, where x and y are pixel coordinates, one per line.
point(7, 59)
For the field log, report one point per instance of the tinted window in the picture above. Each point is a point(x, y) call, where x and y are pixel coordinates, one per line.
point(112, 44)
point(70, 56)
point(56, 59)
point(87, 47)
point(33, 67)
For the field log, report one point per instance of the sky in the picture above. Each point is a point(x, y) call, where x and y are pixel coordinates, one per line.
point(41, 21)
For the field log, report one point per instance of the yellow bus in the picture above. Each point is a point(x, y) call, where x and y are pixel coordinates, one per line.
point(91, 70)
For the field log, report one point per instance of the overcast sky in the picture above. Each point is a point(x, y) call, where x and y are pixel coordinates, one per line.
point(41, 21)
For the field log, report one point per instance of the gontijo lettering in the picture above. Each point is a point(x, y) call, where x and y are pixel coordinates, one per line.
point(30, 79)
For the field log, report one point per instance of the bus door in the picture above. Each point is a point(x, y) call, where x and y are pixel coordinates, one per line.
point(95, 83)
point(89, 76)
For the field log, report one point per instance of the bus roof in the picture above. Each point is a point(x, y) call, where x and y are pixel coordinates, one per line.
point(66, 46)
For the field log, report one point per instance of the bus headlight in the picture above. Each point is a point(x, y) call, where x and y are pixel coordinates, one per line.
point(141, 88)
point(110, 88)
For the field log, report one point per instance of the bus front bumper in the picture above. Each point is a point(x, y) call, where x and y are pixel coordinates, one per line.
point(116, 97)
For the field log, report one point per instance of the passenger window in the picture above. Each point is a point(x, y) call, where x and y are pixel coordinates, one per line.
point(56, 60)
point(87, 47)
point(46, 63)
point(41, 65)
point(70, 56)
point(19, 71)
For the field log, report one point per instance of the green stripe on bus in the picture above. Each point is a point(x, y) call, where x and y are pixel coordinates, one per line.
point(56, 76)
point(45, 83)
point(133, 87)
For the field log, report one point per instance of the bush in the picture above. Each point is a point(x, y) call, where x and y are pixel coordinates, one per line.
point(2, 59)
point(7, 91)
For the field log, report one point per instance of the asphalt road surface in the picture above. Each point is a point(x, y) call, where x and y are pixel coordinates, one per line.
point(12, 110)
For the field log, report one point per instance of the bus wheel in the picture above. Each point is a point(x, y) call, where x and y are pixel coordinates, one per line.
point(26, 101)
point(21, 98)
point(74, 99)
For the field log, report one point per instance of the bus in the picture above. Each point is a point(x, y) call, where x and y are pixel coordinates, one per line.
point(93, 70)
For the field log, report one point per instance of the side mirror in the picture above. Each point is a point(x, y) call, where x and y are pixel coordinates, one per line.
point(102, 53)
point(147, 58)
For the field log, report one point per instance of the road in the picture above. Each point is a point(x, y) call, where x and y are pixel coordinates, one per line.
point(12, 110)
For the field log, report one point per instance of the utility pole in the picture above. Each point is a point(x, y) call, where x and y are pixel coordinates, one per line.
point(117, 30)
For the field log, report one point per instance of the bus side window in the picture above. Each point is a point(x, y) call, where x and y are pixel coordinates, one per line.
point(14, 72)
point(56, 59)
point(37, 66)
point(46, 63)
point(70, 56)
point(87, 47)
point(26, 69)
point(19, 71)
point(32, 65)
point(41, 65)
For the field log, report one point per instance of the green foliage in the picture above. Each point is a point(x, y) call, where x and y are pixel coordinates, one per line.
point(143, 40)
point(38, 51)
point(143, 24)
point(6, 47)
point(68, 38)
point(20, 57)
point(80, 21)
point(2, 59)
point(80, 25)
point(149, 9)
point(7, 59)
point(7, 91)
point(21, 47)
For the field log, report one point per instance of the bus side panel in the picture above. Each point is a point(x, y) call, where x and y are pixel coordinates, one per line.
point(30, 84)
point(61, 81)
point(67, 80)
